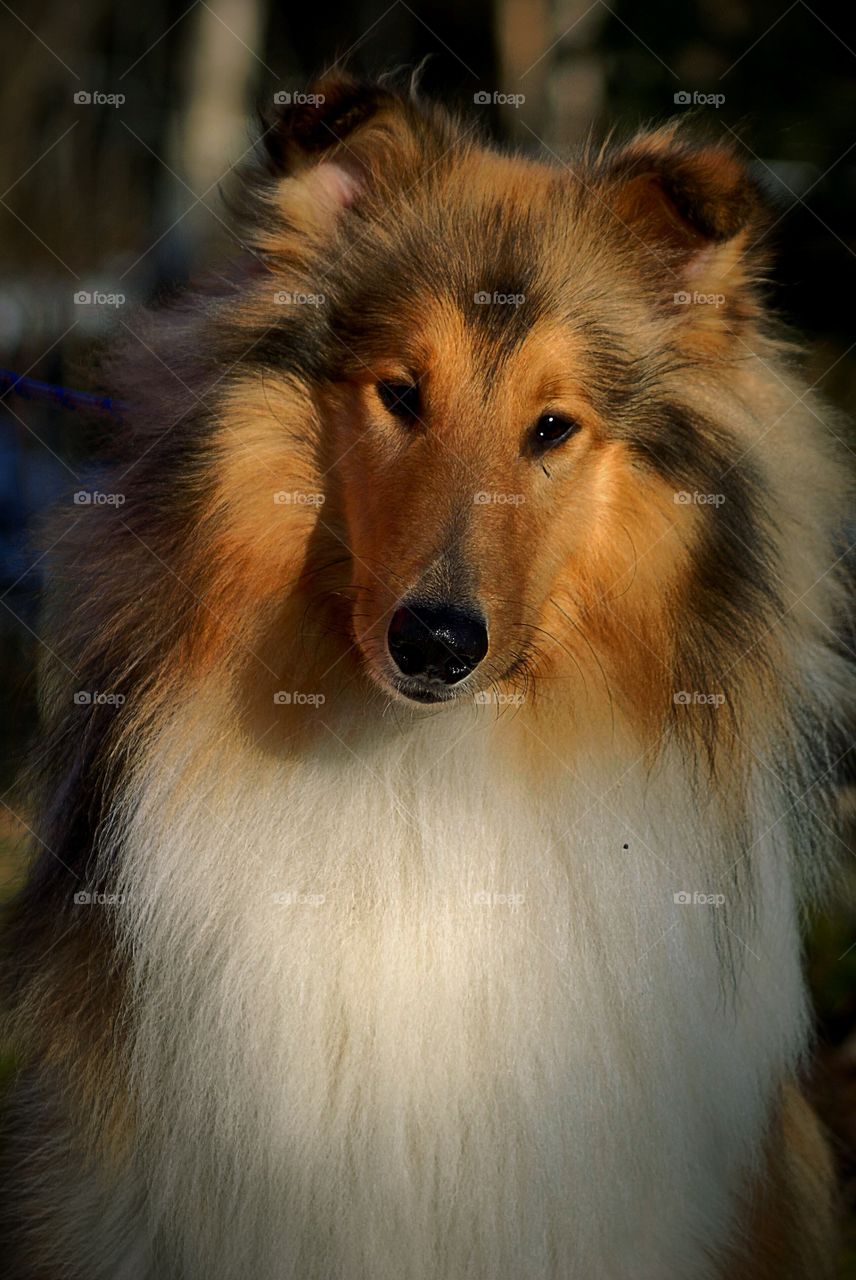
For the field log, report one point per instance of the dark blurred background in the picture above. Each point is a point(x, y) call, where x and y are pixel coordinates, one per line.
point(123, 123)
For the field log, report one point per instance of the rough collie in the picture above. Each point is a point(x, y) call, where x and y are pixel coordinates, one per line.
point(440, 741)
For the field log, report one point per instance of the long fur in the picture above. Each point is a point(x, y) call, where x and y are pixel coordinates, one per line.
point(371, 990)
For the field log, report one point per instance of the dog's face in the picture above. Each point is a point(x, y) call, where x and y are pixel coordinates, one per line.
point(472, 466)
point(510, 385)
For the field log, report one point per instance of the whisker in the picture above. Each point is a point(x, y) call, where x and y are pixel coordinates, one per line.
point(593, 653)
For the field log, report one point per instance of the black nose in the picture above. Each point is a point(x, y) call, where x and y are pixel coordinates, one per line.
point(439, 642)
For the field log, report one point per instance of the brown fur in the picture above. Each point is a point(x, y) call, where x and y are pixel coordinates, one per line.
point(791, 1223)
point(605, 595)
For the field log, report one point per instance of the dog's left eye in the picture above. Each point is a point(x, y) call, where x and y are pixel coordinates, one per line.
point(551, 429)
point(401, 399)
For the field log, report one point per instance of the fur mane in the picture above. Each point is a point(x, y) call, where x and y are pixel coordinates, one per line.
point(346, 939)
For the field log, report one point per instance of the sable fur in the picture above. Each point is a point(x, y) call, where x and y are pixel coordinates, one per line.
point(401, 1080)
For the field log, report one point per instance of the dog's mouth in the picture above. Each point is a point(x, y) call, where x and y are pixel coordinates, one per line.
point(504, 689)
point(428, 693)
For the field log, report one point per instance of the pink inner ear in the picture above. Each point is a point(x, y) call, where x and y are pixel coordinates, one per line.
point(337, 184)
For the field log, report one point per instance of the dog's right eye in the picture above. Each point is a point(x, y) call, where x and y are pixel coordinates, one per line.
point(401, 399)
point(550, 430)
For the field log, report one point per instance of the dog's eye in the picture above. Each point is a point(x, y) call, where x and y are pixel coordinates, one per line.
point(551, 429)
point(401, 399)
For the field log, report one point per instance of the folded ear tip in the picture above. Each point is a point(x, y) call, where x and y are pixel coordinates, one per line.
point(707, 185)
point(304, 125)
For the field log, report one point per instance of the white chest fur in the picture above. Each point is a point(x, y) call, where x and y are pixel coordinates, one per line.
point(399, 1018)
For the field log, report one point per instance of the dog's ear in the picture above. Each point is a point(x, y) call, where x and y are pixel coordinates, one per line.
point(690, 207)
point(348, 137)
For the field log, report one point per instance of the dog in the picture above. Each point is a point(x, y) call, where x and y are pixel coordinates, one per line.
point(442, 745)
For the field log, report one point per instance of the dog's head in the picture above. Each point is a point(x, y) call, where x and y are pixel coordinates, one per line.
point(505, 380)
